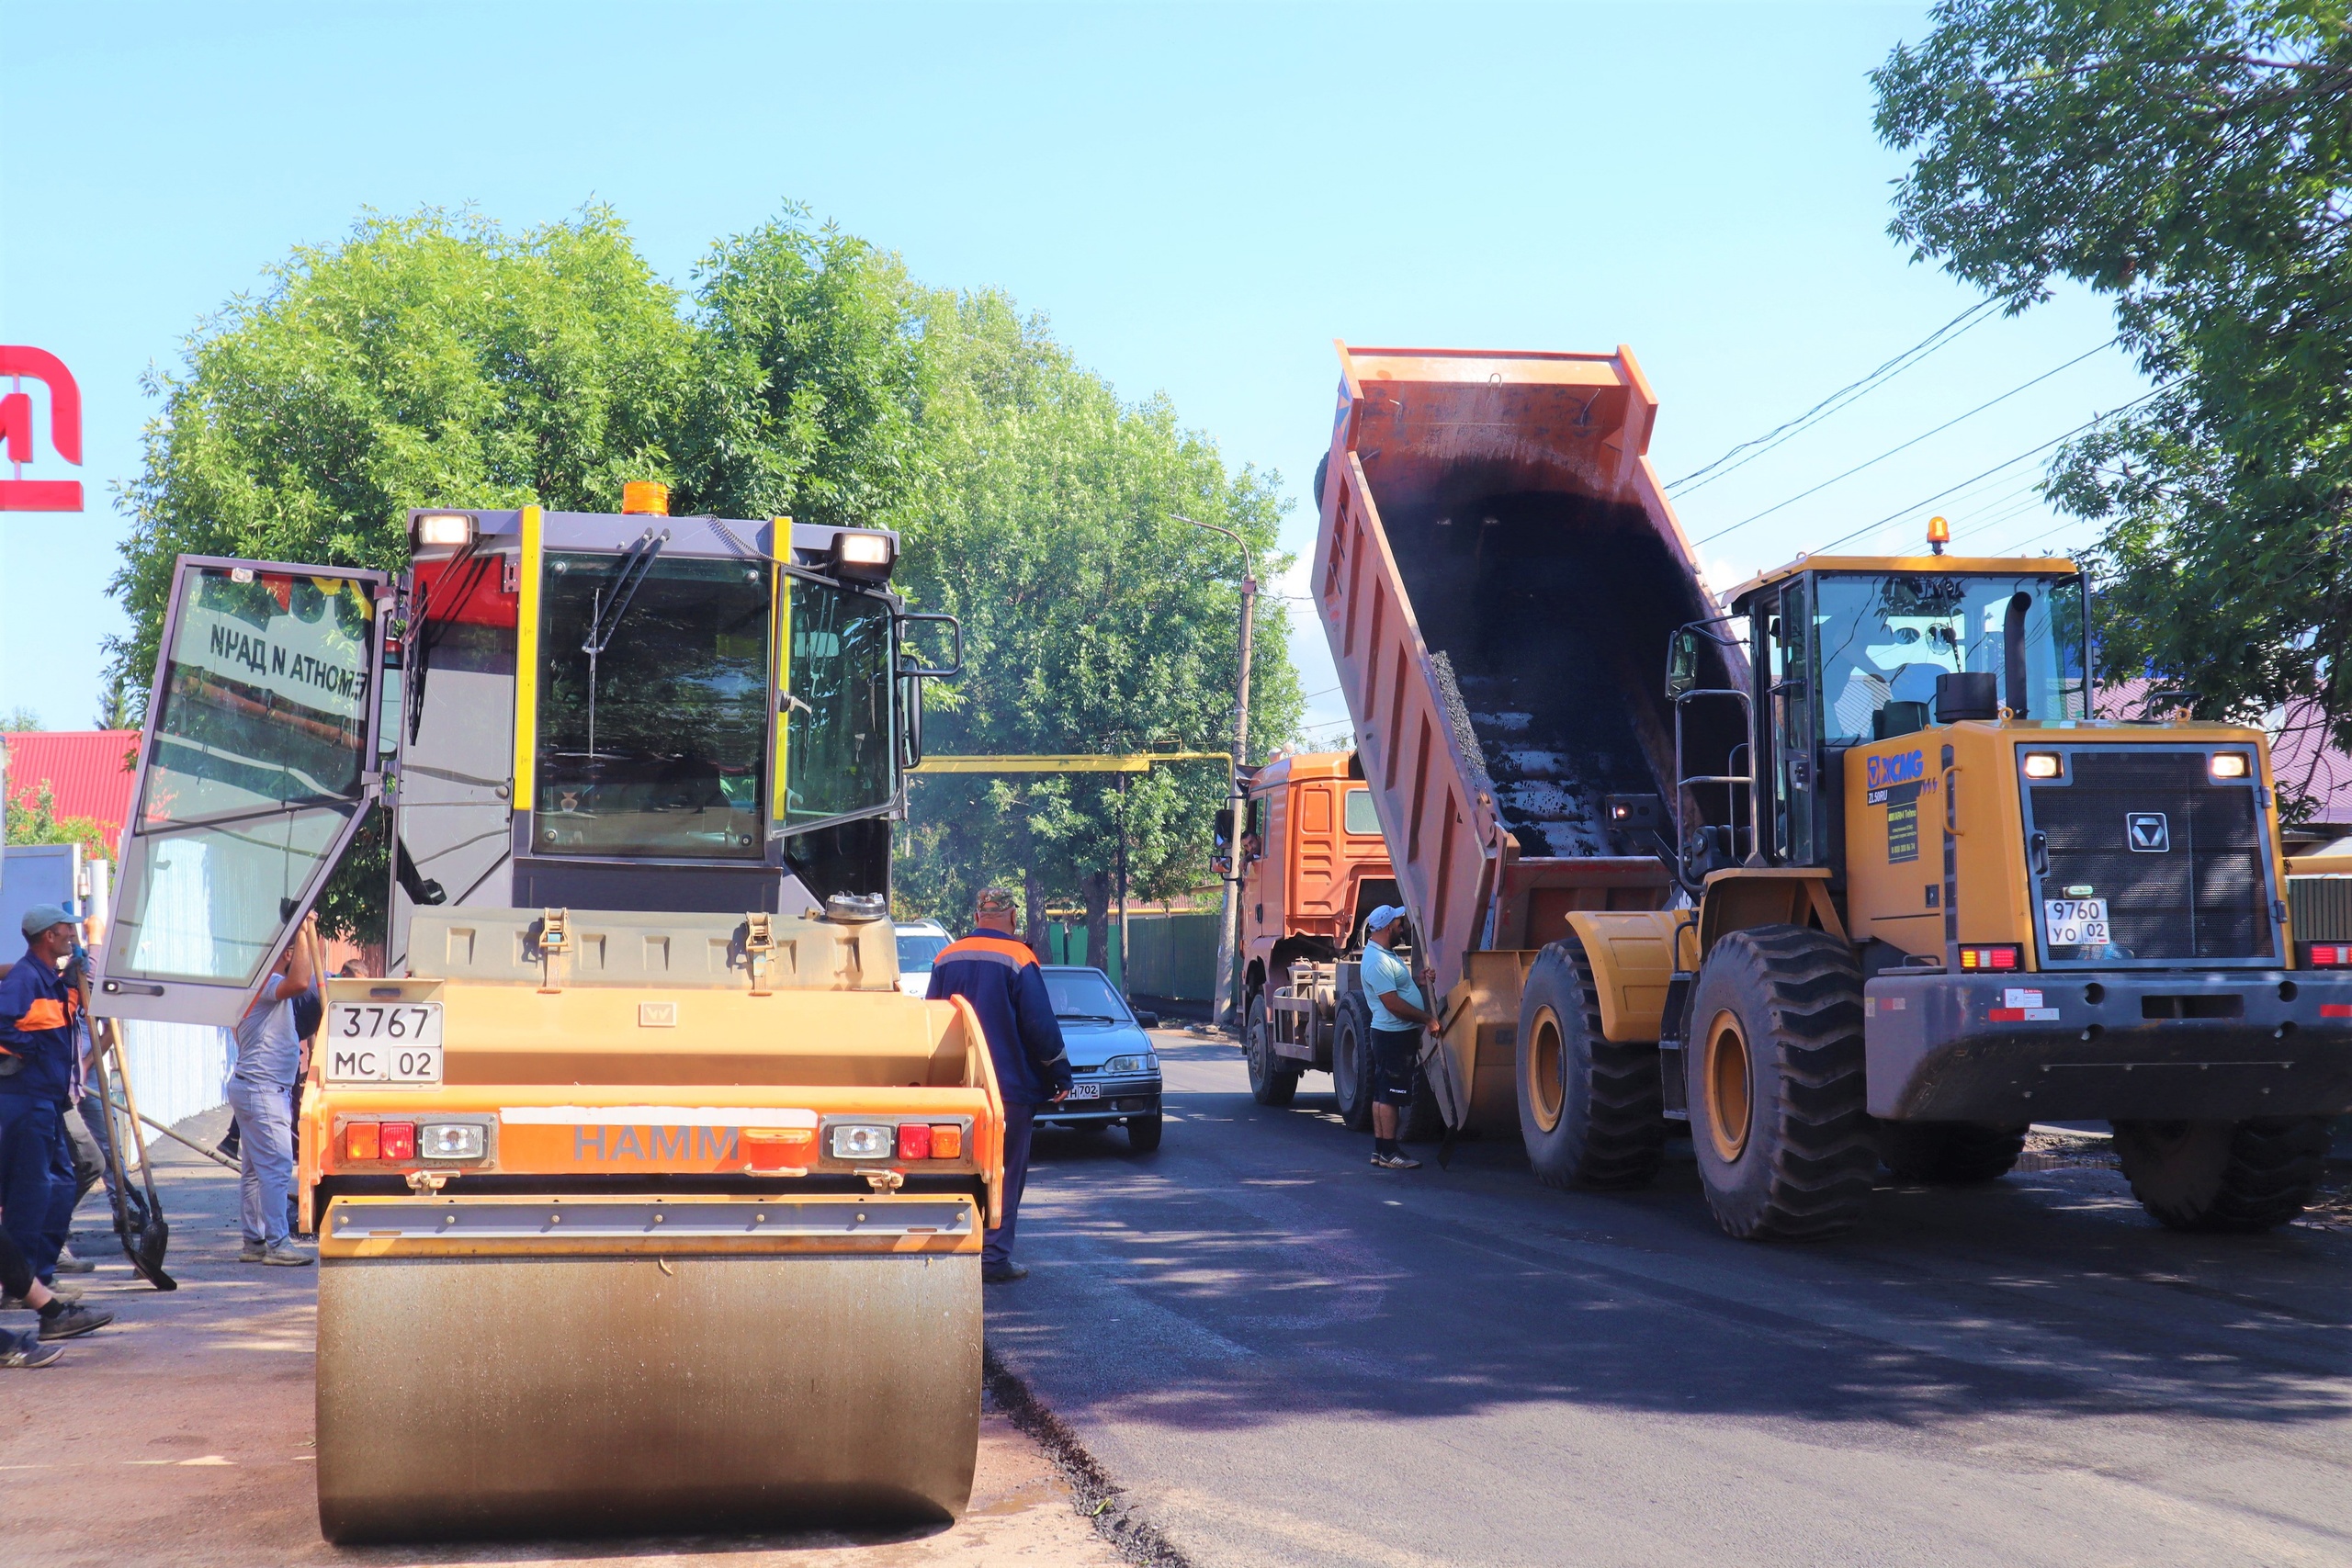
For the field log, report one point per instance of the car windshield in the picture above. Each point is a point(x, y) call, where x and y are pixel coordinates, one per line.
point(1886, 638)
point(1084, 993)
point(917, 950)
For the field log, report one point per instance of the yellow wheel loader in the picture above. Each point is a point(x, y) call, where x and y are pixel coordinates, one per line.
point(644, 1199)
point(1862, 882)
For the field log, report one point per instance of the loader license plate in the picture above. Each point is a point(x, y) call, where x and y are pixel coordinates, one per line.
point(1086, 1091)
point(383, 1042)
point(2074, 922)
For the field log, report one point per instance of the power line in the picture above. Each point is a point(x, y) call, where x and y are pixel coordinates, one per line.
point(1974, 316)
point(1892, 451)
point(2007, 463)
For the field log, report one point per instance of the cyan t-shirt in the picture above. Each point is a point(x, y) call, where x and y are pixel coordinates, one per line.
point(1384, 973)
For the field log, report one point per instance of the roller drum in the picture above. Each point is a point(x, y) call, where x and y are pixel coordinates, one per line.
point(472, 1396)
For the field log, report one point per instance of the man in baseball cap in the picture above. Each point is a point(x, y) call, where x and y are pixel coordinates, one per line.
point(1398, 1011)
point(38, 1020)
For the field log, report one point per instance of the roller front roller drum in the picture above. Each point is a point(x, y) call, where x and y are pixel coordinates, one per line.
point(484, 1371)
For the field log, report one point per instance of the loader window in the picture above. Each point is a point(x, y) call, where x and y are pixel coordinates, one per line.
point(655, 745)
point(254, 768)
point(837, 740)
point(1885, 638)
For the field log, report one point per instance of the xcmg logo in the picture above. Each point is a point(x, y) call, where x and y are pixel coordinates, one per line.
point(19, 493)
point(1903, 768)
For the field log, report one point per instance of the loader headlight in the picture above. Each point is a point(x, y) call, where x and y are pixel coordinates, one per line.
point(443, 530)
point(2229, 764)
point(451, 1140)
point(858, 1140)
point(2042, 765)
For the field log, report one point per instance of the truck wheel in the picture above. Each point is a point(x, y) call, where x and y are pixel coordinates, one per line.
point(1143, 1134)
point(1351, 1062)
point(1778, 1107)
point(1949, 1154)
point(2224, 1176)
point(1590, 1111)
point(1272, 1080)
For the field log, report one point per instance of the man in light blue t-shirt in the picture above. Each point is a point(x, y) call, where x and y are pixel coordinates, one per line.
point(1397, 1014)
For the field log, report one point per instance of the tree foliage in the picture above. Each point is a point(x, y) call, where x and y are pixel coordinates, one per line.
point(32, 818)
point(440, 360)
point(1095, 620)
point(2191, 158)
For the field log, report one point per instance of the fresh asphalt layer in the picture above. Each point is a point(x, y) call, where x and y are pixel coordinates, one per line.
point(1288, 1357)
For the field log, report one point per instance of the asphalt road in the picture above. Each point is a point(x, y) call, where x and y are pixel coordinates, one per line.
point(1289, 1356)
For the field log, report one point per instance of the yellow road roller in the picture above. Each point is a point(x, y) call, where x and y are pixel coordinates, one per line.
point(644, 1199)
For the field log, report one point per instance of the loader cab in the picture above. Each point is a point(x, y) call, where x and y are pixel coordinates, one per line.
point(626, 712)
point(1851, 650)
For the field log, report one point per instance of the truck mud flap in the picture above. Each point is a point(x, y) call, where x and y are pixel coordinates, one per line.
point(596, 1367)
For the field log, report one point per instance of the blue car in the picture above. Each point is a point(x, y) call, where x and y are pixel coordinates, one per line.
point(1114, 1071)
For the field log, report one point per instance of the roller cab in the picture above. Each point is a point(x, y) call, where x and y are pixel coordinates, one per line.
point(634, 1169)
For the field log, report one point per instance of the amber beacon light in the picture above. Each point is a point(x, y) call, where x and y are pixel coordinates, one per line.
point(645, 497)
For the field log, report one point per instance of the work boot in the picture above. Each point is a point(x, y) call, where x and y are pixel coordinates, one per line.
point(25, 1351)
point(286, 1255)
point(69, 1264)
point(1002, 1273)
point(66, 1320)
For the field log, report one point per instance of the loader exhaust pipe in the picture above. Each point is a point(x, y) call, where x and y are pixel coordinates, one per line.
point(2013, 654)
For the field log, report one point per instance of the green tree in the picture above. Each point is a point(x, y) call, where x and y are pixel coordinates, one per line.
point(2191, 158)
point(430, 360)
point(32, 818)
point(1094, 620)
point(20, 720)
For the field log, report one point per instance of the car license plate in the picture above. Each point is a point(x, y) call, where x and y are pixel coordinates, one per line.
point(383, 1042)
point(2074, 922)
point(1086, 1091)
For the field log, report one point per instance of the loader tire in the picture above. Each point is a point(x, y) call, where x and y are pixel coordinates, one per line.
point(1351, 1062)
point(1779, 1116)
point(1273, 1079)
point(1590, 1110)
point(1949, 1154)
point(2224, 1176)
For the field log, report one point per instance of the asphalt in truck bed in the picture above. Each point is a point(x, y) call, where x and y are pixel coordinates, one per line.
point(1285, 1356)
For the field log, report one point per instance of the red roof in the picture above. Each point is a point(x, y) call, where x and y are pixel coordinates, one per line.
point(88, 771)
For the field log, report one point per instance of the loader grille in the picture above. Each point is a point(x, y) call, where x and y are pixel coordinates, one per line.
point(2204, 894)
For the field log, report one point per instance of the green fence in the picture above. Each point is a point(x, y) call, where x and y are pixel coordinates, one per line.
point(1174, 958)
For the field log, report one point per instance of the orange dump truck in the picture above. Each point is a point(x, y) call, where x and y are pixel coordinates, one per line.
point(1840, 871)
point(644, 1199)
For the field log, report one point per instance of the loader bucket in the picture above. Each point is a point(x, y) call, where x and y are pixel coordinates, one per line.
point(774, 1363)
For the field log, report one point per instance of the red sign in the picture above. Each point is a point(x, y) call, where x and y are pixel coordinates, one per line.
point(19, 493)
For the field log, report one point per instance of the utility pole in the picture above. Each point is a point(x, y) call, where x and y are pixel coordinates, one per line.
point(1228, 936)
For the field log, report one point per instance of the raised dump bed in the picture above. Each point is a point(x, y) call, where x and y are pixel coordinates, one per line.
point(1499, 573)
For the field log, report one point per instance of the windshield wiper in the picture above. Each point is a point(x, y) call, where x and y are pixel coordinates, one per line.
point(1088, 1017)
point(605, 615)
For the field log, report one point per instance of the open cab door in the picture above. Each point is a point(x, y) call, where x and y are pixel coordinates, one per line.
point(256, 765)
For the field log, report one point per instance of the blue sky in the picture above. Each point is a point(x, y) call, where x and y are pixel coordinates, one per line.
point(1201, 197)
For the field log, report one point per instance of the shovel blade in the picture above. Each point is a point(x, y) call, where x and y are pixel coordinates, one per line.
point(145, 1246)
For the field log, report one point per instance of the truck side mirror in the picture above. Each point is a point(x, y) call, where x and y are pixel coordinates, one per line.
point(1681, 664)
point(1225, 825)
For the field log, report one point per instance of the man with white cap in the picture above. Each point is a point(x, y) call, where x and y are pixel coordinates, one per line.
point(1397, 1014)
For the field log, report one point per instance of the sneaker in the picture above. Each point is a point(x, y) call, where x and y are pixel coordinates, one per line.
point(69, 1264)
point(25, 1351)
point(1395, 1162)
point(252, 1252)
point(70, 1322)
point(286, 1255)
point(68, 1292)
point(1002, 1273)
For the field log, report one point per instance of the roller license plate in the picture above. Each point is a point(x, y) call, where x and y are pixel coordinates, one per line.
point(2074, 922)
point(1086, 1091)
point(383, 1042)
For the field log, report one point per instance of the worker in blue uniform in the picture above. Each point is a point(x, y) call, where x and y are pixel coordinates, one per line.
point(998, 973)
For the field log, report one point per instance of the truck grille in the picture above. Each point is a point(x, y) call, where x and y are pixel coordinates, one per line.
point(2205, 894)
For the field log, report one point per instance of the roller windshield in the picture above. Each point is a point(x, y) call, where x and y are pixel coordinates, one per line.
point(652, 707)
point(1885, 638)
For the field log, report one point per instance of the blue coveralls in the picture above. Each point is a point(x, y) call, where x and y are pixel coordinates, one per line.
point(1000, 978)
point(37, 1028)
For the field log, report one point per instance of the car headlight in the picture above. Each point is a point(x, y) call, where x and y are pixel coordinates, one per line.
point(863, 1141)
point(451, 1140)
point(1146, 1063)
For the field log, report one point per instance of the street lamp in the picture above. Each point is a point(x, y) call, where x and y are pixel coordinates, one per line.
point(1228, 936)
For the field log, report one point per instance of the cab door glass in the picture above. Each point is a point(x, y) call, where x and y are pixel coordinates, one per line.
point(1789, 644)
point(839, 748)
point(255, 763)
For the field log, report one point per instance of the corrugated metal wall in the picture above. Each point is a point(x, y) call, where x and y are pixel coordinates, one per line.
point(1174, 958)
